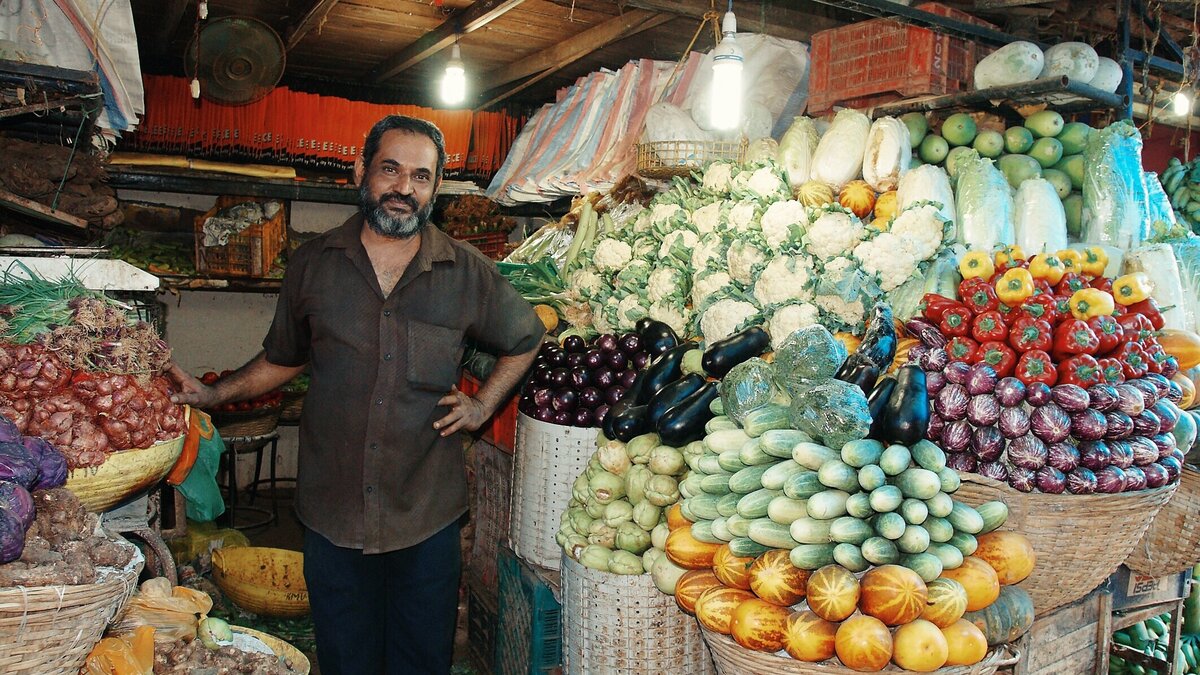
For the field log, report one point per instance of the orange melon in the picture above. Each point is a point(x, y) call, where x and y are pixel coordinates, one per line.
point(1009, 553)
point(858, 197)
point(775, 579)
point(920, 647)
point(688, 552)
point(863, 643)
point(759, 625)
point(893, 594)
point(833, 593)
point(809, 637)
point(691, 586)
point(675, 519)
point(980, 581)
point(966, 644)
point(732, 570)
point(715, 607)
point(947, 602)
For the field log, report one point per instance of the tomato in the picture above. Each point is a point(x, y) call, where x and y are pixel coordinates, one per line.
point(210, 377)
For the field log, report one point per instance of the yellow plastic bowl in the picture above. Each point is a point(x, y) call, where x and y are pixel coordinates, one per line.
point(124, 474)
point(297, 659)
point(266, 581)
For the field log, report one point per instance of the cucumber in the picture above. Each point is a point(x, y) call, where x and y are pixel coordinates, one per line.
point(827, 505)
point(803, 485)
point(717, 407)
point(720, 530)
point(895, 460)
point(951, 557)
point(886, 499)
point(779, 442)
point(705, 506)
point(859, 505)
point(812, 556)
point(713, 484)
point(880, 551)
point(737, 525)
point(693, 483)
point(940, 505)
point(748, 479)
point(838, 475)
point(940, 530)
point(994, 515)
point(862, 452)
point(928, 456)
point(719, 423)
point(764, 419)
point(964, 518)
point(926, 565)
point(785, 510)
point(811, 531)
point(950, 480)
point(770, 533)
point(914, 511)
point(914, 540)
point(776, 476)
point(850, 557)
point(745, 547)
point(752, 454)
point(755, 504)
point(731, 461)
point(686, 511)
point(919, 483)
point(726, 439)
point(871, 477)
point(727, 504)
point(889, 525)
point(850, 530)
point(708, 465)
point(684, 491)
point(813, 456)
point(964, 542)
point(702, 531)
point(693, 460)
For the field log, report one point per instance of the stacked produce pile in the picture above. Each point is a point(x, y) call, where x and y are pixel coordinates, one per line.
point(1049, 375)
point(27, 464)
point(60, 545)
point(1152, 637)
point(36, 170)
point(1181, 182)
point(79, 370)
point(152, 251)
point(472, 214)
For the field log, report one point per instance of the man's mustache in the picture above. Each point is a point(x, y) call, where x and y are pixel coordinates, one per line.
point(396, 196)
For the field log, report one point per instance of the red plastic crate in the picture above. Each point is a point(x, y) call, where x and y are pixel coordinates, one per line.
point(491, 244)
point(881, 60)
point(501, 430)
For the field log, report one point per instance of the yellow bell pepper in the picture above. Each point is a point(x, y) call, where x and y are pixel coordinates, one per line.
point(1132, 288)
point(1095, 259)
point(976, 264)
point(1009, 255)
point(1015, 286)
point(1087, 303)
point(1072, 260)
point(1047, 266)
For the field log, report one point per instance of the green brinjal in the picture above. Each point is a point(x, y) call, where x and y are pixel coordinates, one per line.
point(685, 422)
point(860, 371)
point(723, 355)
point(879, 343)
point(906, 415)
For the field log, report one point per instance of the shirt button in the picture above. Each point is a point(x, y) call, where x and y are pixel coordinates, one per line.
point(387, 357)
point(378, 401)
point(387, 312)
point(370, 489)
point(374, 446)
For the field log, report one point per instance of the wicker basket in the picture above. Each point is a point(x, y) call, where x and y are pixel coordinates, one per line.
point(49, 630)
point(734, 659)
point(123, 475)
point(665, 159)
point(295, 658)
point(293, 404)
point(1172, 542)
point(549, 458)
point(248, 423)
point(1079, 539)
point(266, 581)
point(622, 624)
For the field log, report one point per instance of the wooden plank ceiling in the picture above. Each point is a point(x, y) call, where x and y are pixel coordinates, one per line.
point(523, 51)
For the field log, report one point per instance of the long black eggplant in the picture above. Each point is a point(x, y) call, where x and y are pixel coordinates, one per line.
point(906, 415)
point(657, 337)
point(663, 371)
point(629, 423)
point(671, 395)
point(860, 371)
point(876, 403)
point(879, 343)
point(723, 355)
point(685, 422)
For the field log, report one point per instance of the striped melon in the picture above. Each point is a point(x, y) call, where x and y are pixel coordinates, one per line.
point(893, 594)
point(947, 602)
point(715, 607)
point(733, 571)
point(833, 593)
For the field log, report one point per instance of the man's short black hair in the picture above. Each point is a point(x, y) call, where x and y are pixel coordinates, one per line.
point(411, 125)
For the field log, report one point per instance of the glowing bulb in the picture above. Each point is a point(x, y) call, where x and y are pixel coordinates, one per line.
point(454, 82)
point(1181, 104)
point(726, 102)
point(202, 10)
point(195, 87)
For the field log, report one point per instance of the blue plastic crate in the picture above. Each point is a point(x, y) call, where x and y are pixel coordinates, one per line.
point(529, 627)
point(481, 629)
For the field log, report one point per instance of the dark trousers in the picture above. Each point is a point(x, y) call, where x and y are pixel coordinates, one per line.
point(388, 613)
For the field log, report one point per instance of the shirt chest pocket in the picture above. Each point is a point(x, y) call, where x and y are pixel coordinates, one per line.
point(434, 353)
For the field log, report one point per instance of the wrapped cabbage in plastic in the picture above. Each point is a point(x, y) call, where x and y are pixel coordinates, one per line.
point(808, 354)
point(1159, 212)
point(984, 204)
point(1157, 261)
point(1187, 253)
point(52, 466)
point(797, 148)
point(12, 537)
point(17, 464)
point(888, 154)
point(839, 155)
point(1041, 222)
point(747, 387)
point(17, 501)
point(927, 183)
point(762, 149)
point(832, 411)
point(1113, 187)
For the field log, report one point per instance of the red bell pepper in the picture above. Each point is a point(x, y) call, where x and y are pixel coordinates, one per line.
point(1042, 287)
point(933, 306)
point(1008, 314)
point(1041, 306)
point(1081, 369)
point(1035, 366)
point(1070, 283)
point(1102, 283)
point(1134, 362)
point(967, 286)
point(1028, 333)
point(1136, 326)
point(998, 355)
point(962, 349)
point(989, 326)
point(1062, 305)
point(1073, 337)
point(1120, 310)
point(982, 299)
point(1149, 309)
point(1156, 356)
point(1109, 331)
point(1111, 370)
point(956, 321)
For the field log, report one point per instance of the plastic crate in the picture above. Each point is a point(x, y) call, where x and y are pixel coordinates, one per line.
point(529, 630)
point(481, 629)
point(501, 429)
point(491, 500)
point(880, 60)
point(491, 244)
point(249, 253)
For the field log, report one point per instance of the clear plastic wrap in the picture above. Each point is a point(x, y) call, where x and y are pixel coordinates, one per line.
point(984, 204)
point(839, 154)
point(1114, 191)
point(889, 151)
point(927, 183)
point(1159, 213)
point(747, 387)
point(1187, 254)
point(552, 240)
point(1041, 221)
point(797, 148)
point(832, 411)
point(810, 353)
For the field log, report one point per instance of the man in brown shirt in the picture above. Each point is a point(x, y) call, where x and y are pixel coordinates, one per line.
point(379, 308)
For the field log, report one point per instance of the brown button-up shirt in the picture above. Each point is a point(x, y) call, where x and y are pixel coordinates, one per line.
point(373, 473)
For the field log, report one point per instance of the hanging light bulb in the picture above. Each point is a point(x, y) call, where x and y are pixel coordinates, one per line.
point(454, 82)
point(194, 87)
point(1181, 104)
point(202, 10)
point(725, 106)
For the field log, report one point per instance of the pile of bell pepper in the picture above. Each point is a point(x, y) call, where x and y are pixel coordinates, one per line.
point(1052, 318)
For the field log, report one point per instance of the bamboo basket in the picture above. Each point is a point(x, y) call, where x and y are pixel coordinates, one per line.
point(266, 581)
point(1172, 542)
point(295, 658)
point(50, 630)
point(622, 625)
point(1079, 539)
point(247, 423)
point(665, 159)
point(124, 475)
point(293, 405)
point(734, 659)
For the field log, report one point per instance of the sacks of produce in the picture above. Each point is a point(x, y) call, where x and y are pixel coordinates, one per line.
point(1114, 193)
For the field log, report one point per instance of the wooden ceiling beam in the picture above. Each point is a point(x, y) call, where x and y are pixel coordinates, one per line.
point(313, 18)
point(470, 19)
point(164, 30)
point(782, 22)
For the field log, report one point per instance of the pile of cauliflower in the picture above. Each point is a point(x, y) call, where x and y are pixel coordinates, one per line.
point(735, 250)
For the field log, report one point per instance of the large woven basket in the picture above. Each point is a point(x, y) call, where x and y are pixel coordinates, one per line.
point(293, 405)
point(295, 658)
point(266, 581)
point(549, 458)
point(622, 624)
point(124, 475)
point(49, 630)
point(1172, 542)
point(734, 659)
point(245, 423)
point(664, 159)
point(1079, 539)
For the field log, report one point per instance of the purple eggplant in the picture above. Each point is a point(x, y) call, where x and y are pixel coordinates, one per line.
point(1170, 368)
point(987, 443)
point(1178, 455)
point(935, 381)
point(564, 418)
point(1029, 452)
point(560, 377)
point(1156, 476)
point(993, 470)
point(640, 360)
point(1173, 466)
point(612, 395)
point(1094, 455)
point(573, 344)
point(1014, 422)
point(542, 397)
point(1089, 425)
point(1160, 382)
point(1062, 456)
point(926, 332)
point(575, 361)
point(593, 358)
point(603, 378)
point(630, 344)
point(1165, 444)
point(525, 405)
point(1121, 454)
point(1146, 423)
point(541, 374)
point(544, 414)
point(1111, 480)
point(580, 377)
point(626, 378)
point(956, 437)
point(1103, 397)
point(1119, 425)
point(1023, 480)
point(961, 461)
point(606, 343)
point(1168, 415)
point(1144, 450)
point(1037, 394)
point(957, 372)
point(1150, 394)
point(590, 397)
point(952, 402)
point(616, 360)
point(1130, 400)
point(1081, 481)
point(1174, 392)
point(936, 359)
point(1135, 479)
point(564, 400)
point(981, 379)
point(1070, 397)
point(600, 412)
point(556, 358)
point(1051, 480)
point(919, 354)
point(1050, 423)
point(933, 432)
point(983, 410)
point(584, 418)
point(1010, 391)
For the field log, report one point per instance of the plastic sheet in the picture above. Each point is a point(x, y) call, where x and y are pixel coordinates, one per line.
point(1187, 254)
point(1114, 190)
point(984, 205)
point(833, 411)
point(173, 612)
point(808, 354)
point(747, 387)
point(1159, 213)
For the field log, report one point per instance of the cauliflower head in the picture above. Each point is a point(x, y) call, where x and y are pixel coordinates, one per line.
point(833, 233)
point(663, 212)
point(711, 248)
point(842, 315)
point(784, 223)
point(675, 316)
point(629, 310)
point(763, 183)
point(666, 282)
point(789, 319)
point(922, 227)
point(726, 317)
point(717, 177)
point(632, 279)
point(743, 258)
point(645, 246)
point(612, 255)
point(743, 217)
point(890, 257)
point(707, 218)
point(586, 282)
point(678, 245)
point(784, 278)
point(707, 283)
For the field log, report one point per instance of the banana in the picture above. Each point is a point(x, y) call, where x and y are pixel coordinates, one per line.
point(1172, 178)
point(1180, 199)
point(1174, 162)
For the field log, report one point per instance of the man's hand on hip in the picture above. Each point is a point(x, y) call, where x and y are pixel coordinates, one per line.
point(466, 413)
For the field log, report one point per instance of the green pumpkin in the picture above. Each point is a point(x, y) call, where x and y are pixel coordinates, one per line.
point(1006, 619)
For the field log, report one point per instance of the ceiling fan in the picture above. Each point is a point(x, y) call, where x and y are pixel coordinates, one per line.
point(237, 59)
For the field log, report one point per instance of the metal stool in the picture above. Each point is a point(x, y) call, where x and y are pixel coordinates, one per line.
point(244, 445)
